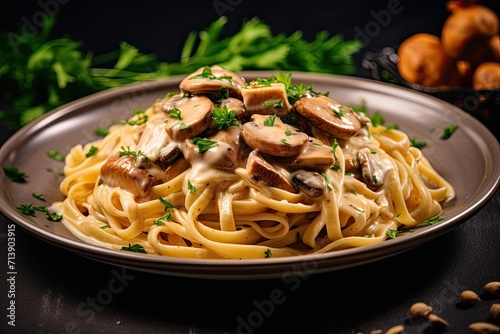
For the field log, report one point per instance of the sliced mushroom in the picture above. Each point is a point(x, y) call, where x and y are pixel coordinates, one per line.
point(169, 153)
point(187, 116)
point(262, 171)
point(175, 169)
point(335, 119)
point(298, 121)
point(122, 171)
point(231, 104)
point(226, 155)
point(209, 80)
point(266, 100)
point(351, 162)
point(311, 183)
point(277, 139)
point(374, 167)
point(153, 138)
point(315, 155)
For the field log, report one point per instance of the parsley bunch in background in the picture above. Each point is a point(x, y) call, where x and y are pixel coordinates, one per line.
point(40, 73)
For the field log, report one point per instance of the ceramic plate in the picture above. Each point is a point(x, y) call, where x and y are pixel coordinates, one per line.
point(469, 160)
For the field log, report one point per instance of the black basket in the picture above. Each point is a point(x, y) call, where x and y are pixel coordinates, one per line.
point(482, 104)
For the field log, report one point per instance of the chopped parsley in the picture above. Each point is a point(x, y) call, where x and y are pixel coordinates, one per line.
point(224, 118)
point(268, 253)
point(391, 233)
point(417, 143)
point(126, 151)
point(432, 221)
point(270, 120)
point(56, 155)
point(338, 112)
point(38, 196)
point(167, 215)
point(92, 151)
point(204, 144)
point(207, 74)
point(134, 248)
point(448, 131)
point(191, 188)
point(30, 210)
point(101, 132)
point(274, 103)
point(175, 113)
point(14, 174)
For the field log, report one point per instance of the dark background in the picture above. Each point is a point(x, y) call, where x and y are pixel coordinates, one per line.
point(52, 283)
point(161, 27)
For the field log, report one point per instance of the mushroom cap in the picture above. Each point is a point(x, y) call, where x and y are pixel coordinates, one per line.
point(200, 83)
point(262, 171)
point(279, 140)
point(328, 115)
point(315, 155)
point(195, 116)
point(122, 171)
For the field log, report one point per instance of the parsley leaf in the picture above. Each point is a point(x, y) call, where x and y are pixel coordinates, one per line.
point(224, 118)
point(14, 174)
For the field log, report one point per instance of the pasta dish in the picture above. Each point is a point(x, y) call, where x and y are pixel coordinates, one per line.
point(229, 169)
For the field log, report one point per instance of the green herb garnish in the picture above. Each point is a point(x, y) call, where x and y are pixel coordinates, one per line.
point(224, 118)
point(448, 131)
point(134, 248)
point(14, 174)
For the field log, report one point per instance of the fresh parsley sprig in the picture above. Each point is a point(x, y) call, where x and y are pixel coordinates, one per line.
point(40, 73)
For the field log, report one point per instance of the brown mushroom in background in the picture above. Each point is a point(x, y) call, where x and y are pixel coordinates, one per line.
point(423, 61)
point(487, 76)
point(467, 33)
point(494, 49)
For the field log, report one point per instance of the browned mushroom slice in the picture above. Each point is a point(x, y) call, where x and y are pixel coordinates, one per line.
point(374, 167)
point(271, 136)
point(122, 171)
point(222, 150)
point(178, 167)
point(153, 138)
point(169, 153)
point(232, 103)
point(188, 117)
point(225, 155)
point(297, 121)
point(209, 80)
point(262, 171)
point(351, 162)
point(267, 100)
point(228, 105)
point(311, 183)
point(315, 155)
point(335, 119)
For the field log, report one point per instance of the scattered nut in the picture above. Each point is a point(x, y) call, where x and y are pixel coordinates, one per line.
point(495, 311)
point(437, 321)
point(469, 297)
point(493, 288)
point(420, 310)
point(376, 331)
point(396, 330)
point(484, 328)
